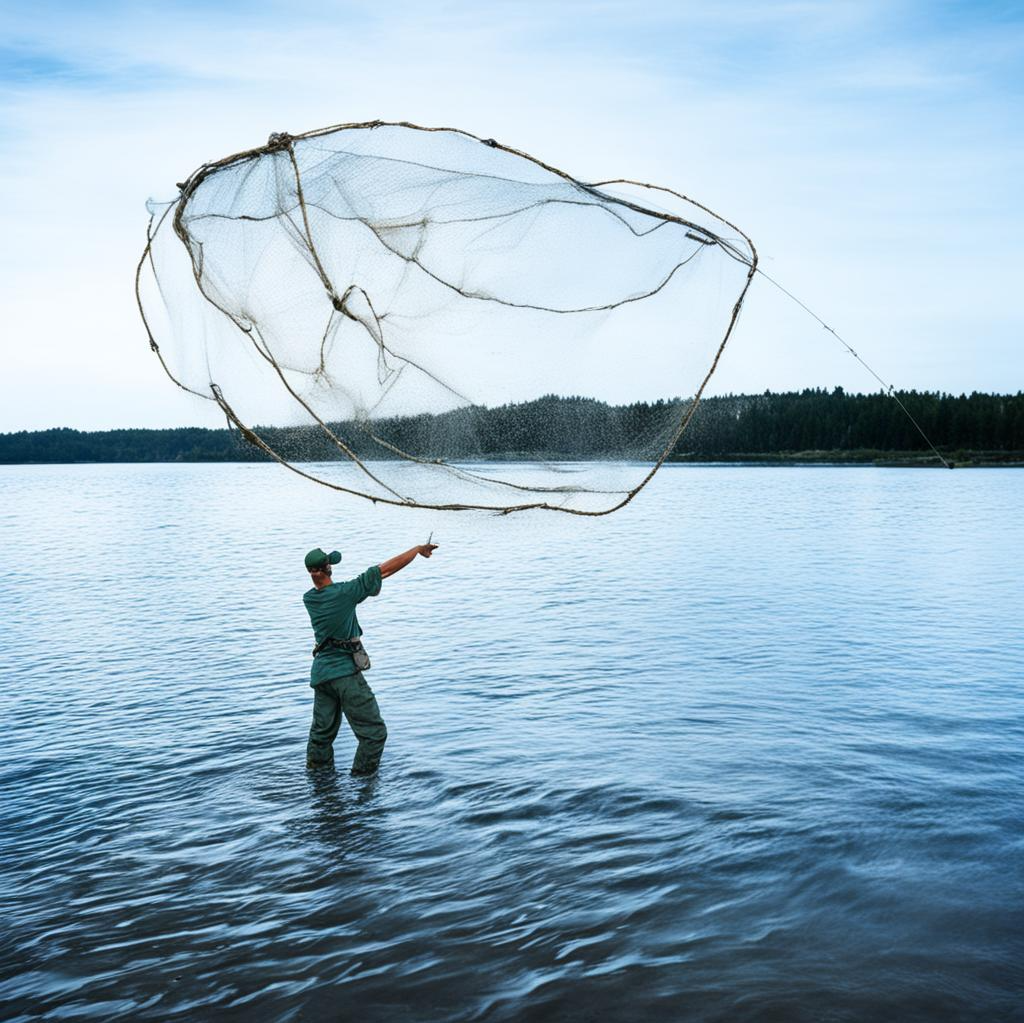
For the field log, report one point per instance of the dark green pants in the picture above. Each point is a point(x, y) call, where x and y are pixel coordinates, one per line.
point(352, 697)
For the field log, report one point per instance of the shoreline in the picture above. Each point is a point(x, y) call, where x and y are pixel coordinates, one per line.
point(809, 427)
point(877, 459)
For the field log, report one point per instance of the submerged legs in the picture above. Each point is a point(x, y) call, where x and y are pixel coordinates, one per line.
point(353, 697)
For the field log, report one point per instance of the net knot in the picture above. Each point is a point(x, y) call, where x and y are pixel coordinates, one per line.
point(279, 140)
point(490, 142)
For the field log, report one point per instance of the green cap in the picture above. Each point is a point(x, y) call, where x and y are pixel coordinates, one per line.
point(317, 559)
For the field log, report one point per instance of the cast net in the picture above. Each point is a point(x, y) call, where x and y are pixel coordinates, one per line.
point(425, 318)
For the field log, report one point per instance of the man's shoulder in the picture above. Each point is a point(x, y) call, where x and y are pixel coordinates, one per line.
point(368, 577)
point(331, 590)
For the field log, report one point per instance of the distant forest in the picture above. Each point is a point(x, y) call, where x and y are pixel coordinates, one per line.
point(809, 424)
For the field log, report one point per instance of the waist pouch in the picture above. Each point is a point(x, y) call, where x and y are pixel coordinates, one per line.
point(350, 646)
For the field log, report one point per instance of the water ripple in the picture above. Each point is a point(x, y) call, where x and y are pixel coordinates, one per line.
point(749, 749)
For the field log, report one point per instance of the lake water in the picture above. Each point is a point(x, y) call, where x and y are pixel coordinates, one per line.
point(750, 749)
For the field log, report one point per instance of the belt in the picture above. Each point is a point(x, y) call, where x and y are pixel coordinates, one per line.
point(350, 646)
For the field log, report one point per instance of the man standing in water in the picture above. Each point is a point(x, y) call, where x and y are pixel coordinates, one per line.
point(339, 659)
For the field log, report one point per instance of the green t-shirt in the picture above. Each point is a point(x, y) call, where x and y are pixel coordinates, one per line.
point(332, 611)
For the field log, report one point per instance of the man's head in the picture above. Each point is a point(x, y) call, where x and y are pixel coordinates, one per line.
point(318, 564)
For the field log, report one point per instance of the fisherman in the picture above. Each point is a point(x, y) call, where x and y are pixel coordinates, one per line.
point(339, 659)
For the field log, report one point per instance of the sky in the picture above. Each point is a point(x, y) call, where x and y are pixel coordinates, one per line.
point(873, 151)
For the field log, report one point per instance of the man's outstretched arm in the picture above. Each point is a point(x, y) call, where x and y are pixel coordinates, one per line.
point(399, 561)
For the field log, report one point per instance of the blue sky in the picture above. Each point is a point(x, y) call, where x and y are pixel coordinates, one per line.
point(872, 150)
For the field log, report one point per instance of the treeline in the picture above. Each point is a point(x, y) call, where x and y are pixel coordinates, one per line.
point(812, 420)
point(820, 420)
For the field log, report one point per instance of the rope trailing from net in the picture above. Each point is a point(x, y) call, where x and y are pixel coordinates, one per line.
point(321, 189)
point(888, 389)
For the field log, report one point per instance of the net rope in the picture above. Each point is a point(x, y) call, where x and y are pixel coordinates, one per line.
point(381, 285)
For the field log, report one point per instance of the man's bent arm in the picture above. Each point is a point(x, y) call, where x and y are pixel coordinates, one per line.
point(399, 561)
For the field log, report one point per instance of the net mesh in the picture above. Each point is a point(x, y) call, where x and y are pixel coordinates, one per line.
point(409, 300)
